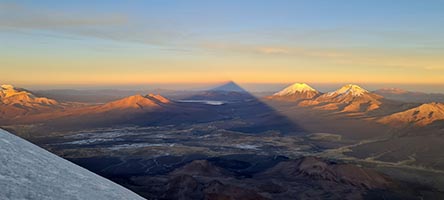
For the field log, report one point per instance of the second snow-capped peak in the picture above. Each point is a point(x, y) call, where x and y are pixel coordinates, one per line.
point(352, 89)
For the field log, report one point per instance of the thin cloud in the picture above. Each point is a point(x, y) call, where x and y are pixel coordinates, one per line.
point(110, 26)
point(273, 50)
point(16, 16)
point(363, 57)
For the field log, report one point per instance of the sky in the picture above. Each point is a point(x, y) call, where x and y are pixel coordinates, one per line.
point(398, 42)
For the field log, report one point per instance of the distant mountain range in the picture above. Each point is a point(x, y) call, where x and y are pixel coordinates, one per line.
point(349, 98)
point(21, 106)
point(154, 109)
point(352, 98)
point(408, 96)
point(17, 103)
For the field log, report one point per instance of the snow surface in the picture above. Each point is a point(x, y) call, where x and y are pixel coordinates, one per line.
point(7, 87)
point(30, 172)
point(295, 88)
point(9, 90)
point(352, 89)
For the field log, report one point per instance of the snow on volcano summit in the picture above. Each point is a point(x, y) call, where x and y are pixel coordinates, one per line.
point(348, 98)
point(295, 92)
point(6, 87)
point(10, 95)
point(18, 102)
point(354, 90)
point(295, 88)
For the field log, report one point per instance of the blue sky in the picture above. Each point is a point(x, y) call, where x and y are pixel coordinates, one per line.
point(138, 42)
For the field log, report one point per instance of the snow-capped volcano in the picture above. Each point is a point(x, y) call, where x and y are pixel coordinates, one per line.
point(296, 91)
point(349, 89)
point(6, 87)
point(17, 102)
point(10, 95)
point(348, 98)
point(348, 93)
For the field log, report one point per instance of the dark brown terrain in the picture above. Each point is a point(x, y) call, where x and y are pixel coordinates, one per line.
point(227, 144)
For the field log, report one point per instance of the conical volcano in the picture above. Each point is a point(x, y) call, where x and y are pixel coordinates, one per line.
point(348, 98)
point(295, 92)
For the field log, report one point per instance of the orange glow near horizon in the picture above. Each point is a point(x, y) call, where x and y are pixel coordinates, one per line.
point(92, 47)
point(247, 69)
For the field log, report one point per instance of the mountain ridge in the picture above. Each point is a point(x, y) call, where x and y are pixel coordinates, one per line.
point(17, 102)
point(139, 102)
point(420, 116)
point(10, 95)
point(350, 98)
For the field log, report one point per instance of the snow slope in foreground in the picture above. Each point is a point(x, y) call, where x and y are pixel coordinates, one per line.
point(30, 172)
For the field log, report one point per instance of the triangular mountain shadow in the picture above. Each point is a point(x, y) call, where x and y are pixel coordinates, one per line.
point(229, 91)
point(240, 111)
point(247, 112)
point(229, 87)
